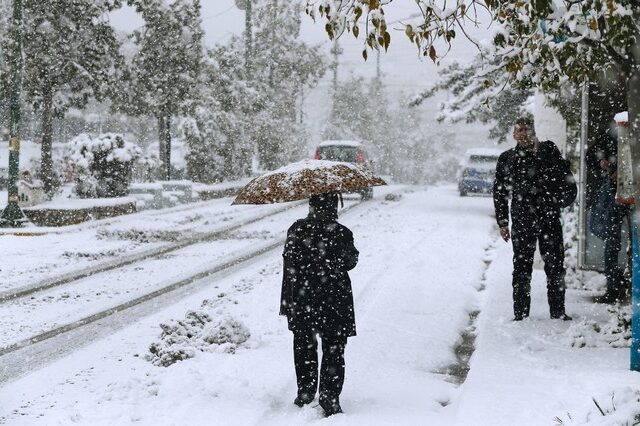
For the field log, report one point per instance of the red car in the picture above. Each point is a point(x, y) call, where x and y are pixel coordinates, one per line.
point(348, 151)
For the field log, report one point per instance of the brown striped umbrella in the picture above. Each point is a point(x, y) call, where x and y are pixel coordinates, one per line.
point(305, 178)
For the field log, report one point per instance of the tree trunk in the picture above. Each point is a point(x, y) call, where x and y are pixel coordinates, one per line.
point(167, 144)
point(162, 151)
point(46, 161)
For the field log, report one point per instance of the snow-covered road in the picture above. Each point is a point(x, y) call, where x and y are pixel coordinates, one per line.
point(420, 266)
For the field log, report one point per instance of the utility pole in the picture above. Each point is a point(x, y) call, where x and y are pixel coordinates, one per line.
point(335, 51)
point(12, 215)
point(248, 37)
point(301, 103)
point(248, 65)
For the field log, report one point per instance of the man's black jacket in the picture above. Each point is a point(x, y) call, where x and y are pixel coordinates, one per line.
point(531, 179)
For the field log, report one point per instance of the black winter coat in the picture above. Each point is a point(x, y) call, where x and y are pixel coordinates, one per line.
point(532, 181)
point(316, 289)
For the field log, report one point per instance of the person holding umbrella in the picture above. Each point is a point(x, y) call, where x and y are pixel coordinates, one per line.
point(317, 299)
point(316, 292)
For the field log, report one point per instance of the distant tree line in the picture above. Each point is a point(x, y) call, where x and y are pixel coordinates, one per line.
point(161, 79)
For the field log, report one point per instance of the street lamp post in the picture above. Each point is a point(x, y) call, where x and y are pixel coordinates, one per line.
point(12, 215)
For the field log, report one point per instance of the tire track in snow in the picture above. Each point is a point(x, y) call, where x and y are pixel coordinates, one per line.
point(54, 343)
point(132, 259)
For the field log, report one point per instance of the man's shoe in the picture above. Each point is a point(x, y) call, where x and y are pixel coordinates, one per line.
point(303, 399)
point(519, 317)
point(563, 317)
point(330, 406)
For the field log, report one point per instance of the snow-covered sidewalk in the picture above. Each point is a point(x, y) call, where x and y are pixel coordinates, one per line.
point(542, 371)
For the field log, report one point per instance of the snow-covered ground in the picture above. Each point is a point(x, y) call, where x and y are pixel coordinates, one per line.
point(428, 260)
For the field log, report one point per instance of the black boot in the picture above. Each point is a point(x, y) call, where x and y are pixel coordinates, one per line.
point(608, 298)
point(563, 317)
point(330, 406)
point(555, 297)
point(303, 399)
point(521, 297)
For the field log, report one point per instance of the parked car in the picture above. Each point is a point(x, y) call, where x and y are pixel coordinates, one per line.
point(348, 151)
point(478, 170)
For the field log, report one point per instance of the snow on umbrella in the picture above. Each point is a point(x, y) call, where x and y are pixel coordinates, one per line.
point(305, 178)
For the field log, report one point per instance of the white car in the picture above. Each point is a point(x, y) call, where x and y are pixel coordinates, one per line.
point(478, 171)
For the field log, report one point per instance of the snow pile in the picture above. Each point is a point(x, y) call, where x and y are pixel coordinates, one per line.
point(620, 407)
point(93, 255)
point(140, 235)
point(570, 230)
point(198, 331)
point(616, 332)
point(392, 197)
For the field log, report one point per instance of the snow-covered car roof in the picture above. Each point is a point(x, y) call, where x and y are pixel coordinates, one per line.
point(340, 143)
point(489, 152)
point(477, 163)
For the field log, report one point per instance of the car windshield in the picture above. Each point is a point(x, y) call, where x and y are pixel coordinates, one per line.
point(339, 153)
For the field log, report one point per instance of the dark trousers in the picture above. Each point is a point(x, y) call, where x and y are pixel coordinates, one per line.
point(612, 246)
point(305, 356)
point(543, 228)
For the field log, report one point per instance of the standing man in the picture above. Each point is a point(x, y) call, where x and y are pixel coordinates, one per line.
point(531, 174)
point(318, 301)
point(617, 284)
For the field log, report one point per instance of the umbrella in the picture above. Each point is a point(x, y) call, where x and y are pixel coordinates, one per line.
point(305, 178)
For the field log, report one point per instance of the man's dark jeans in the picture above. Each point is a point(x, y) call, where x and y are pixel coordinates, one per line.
point(612, 246)
point(544, 228)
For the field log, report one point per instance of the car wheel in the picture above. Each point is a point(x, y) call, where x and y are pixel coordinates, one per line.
point(367, 194)
point(463, 193)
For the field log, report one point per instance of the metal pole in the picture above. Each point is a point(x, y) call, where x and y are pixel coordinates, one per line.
point(635, 300)
point(582, 205)
point(625, 194)
point(12, 215)
point(633, 94)
point(335, 51)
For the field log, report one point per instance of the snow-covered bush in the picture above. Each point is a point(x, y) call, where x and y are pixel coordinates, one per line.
point(570, 230)
point(103, 165)
point(616, 332)
point(146, 168)
point(619, 407)
point(198, 331)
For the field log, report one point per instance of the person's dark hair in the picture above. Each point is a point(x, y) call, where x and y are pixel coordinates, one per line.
point(324, 206)
point(526, 120)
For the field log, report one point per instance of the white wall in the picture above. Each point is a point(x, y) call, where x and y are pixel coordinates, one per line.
point(549, 123)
